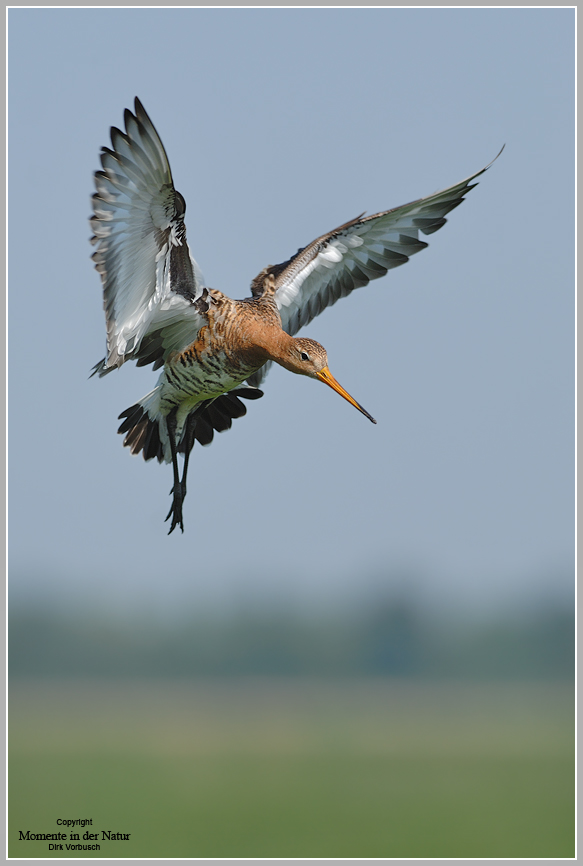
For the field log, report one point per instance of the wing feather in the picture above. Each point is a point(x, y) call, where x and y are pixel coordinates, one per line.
point(357, 252)
point(150, 279)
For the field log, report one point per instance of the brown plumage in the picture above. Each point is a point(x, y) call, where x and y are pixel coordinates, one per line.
point(214, 350)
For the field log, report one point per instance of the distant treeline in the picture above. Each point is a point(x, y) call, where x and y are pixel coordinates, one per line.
point(393, 640)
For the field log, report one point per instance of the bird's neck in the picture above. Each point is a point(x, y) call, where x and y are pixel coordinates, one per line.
point(254, 331)
point(276, 344)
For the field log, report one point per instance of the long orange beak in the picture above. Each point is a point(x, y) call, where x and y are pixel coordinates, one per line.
point(326, 376)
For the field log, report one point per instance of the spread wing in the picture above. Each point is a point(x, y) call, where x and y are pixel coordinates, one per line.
point(361, 250)
point(153, 292)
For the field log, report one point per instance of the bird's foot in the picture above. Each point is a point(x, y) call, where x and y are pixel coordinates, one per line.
point(176, 508)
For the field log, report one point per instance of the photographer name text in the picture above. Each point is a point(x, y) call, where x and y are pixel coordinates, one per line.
point(73, 841)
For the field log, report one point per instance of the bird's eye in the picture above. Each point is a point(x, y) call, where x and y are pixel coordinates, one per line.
point(304, 356)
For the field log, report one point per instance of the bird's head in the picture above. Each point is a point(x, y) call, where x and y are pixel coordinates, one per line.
point(309, 358)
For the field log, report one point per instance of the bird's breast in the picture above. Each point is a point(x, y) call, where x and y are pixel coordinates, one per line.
point(223, 355)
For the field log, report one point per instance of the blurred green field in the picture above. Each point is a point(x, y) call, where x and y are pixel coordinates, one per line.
point(254, 767)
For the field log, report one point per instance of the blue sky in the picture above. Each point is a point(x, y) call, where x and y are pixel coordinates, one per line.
point(280, 125)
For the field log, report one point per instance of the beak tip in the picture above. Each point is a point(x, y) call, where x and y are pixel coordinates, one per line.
point(326, 376)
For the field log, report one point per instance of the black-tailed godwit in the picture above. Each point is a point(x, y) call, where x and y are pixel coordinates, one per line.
point(214, 350)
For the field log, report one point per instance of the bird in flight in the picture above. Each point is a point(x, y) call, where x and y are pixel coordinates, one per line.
point(213, 350)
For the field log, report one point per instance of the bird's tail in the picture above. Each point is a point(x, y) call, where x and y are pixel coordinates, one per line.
point(146, 430)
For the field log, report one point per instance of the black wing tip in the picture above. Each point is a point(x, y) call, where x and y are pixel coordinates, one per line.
point(97, 368)
point(129, 118)
point(142, 115)
point(128, 115)
point(495, 158)
point(101, 369)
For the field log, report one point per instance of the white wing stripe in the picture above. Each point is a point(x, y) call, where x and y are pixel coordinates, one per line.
point(362, 250)
point(137, 222)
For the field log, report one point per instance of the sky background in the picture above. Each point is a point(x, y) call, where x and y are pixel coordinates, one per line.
point(279, 126)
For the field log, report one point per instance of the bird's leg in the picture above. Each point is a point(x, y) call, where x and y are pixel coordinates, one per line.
point(188, 446)
point(177, 497)
point(178, 491)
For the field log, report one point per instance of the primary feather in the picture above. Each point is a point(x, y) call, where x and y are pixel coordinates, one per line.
point(214, 350)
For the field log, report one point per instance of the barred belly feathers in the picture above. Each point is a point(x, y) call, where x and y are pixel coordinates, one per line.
point(215, 352)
